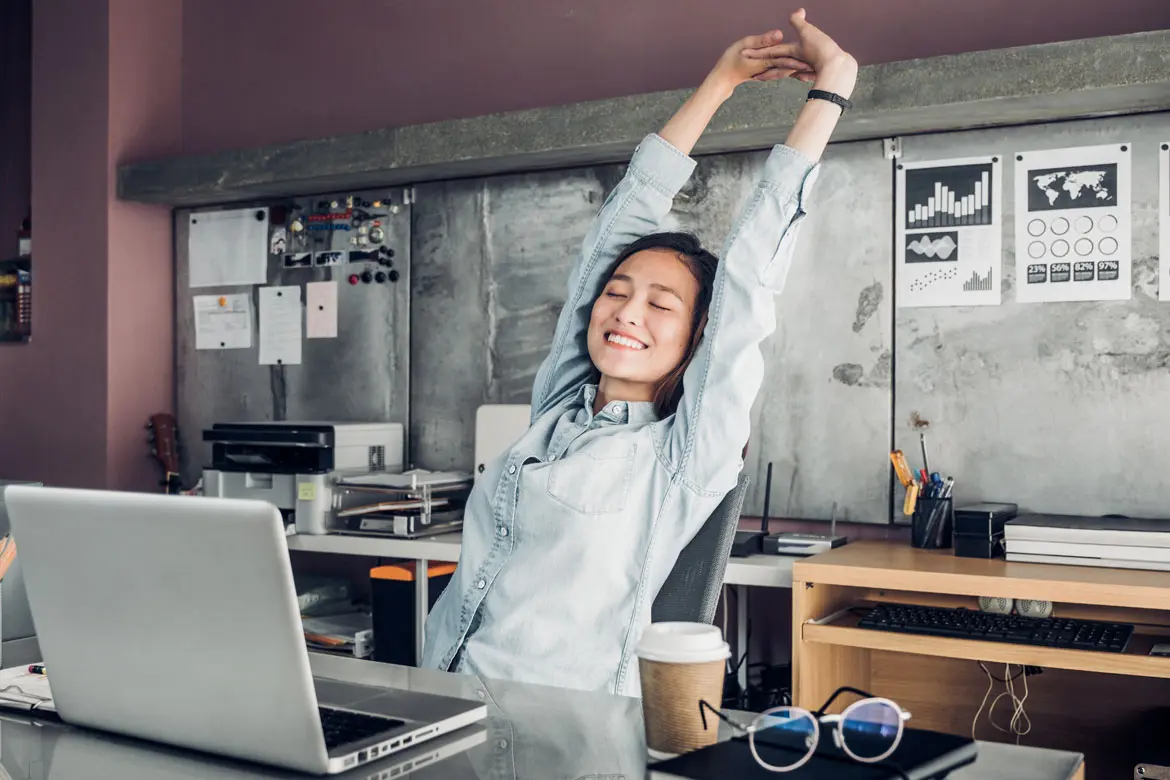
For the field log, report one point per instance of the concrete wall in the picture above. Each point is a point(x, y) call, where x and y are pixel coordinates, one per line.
point(492, 258)
point(407, 63)
point(1056, 406)
point(1060, 407)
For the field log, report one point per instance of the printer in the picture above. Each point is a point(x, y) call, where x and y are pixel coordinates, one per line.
point(295, 465)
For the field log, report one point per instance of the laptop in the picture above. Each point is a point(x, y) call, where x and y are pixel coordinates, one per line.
point(175, 619)
point(79, 754)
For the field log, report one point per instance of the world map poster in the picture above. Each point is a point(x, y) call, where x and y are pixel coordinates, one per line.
point(1073, 224)
point(949, 232)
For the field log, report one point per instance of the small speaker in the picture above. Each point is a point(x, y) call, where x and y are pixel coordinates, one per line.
point(1034, 609)
point(995, 605)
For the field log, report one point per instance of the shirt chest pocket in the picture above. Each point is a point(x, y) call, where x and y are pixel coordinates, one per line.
point(595, 480)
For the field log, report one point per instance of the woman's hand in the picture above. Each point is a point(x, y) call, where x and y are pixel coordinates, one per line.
point(744, 61)
point(824, 57)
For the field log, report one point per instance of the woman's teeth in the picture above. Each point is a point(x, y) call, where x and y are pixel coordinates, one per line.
point(614, 338)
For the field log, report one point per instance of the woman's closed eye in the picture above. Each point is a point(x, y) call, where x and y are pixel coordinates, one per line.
point(612, 294)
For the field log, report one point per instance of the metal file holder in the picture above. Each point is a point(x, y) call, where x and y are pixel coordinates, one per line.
point(407, 511)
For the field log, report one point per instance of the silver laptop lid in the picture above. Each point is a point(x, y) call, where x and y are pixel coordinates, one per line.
point(171, 618)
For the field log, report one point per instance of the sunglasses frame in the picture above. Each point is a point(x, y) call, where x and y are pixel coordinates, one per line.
point(817, 718)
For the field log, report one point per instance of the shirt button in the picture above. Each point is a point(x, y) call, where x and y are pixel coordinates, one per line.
point(503, 744)
point(512, 469)
point(481, 584)
point(503, 531)
point(618, 407)
point(552, 458)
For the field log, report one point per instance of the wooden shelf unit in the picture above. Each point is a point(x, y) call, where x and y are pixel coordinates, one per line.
point(1084, 700)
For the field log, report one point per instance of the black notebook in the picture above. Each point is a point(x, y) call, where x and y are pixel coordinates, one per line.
point(921, 755)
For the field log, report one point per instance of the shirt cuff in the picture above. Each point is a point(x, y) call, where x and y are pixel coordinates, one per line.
point(662, 165)
point(791, 174)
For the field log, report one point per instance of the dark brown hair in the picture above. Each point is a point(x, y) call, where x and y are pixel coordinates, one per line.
point(702, 265)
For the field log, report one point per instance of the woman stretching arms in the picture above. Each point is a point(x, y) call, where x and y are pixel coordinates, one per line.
point(641, 409)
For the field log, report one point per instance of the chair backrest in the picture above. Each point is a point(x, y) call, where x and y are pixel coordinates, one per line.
point(691, 591)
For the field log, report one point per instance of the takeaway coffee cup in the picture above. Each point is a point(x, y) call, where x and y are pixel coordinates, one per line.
point(679, 665)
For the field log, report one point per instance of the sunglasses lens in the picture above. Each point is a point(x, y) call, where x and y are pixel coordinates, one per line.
point(870, 729)
point(784, 736)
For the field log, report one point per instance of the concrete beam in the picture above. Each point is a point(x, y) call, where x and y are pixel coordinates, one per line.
point(1050, 82)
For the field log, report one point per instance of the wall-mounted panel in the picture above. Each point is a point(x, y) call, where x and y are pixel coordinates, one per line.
point(363, 374)
point(1061, 407)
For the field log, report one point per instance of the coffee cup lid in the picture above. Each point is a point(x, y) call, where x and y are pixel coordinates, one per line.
point(680, 643)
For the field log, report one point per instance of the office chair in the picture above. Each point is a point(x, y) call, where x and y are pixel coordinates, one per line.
point(691, 591)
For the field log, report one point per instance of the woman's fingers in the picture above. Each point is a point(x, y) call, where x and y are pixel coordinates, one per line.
point(770, 38)
point(804, 74)
point(772, 51)
point(788, 63)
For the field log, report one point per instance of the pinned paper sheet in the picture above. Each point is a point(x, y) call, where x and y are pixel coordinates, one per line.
point(1073, 224)
point(321, 310)
point(280, 326)
point(223, 321)
point(1164, 221)
point(228, 247)
point(948, 249)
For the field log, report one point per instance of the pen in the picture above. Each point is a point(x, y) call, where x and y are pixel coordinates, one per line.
point(37, 669)
point(922, 441)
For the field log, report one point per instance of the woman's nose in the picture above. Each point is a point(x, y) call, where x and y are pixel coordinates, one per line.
point(631, 312)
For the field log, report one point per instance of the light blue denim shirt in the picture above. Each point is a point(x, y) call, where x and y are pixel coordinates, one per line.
point(569, 535)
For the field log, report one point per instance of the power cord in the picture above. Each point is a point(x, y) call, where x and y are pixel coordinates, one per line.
point(1019, 724)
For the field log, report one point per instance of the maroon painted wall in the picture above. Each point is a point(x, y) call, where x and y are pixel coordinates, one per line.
point(73, 402)
point(145, 121)
point(264, 71)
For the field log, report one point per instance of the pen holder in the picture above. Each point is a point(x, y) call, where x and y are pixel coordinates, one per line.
point(933, 523)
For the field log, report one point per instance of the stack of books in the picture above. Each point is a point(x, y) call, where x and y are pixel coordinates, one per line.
point(1108, 542)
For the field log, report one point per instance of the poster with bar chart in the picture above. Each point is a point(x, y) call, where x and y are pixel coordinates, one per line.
point(1073, 230)
point(1164, 221)
point(948, 225)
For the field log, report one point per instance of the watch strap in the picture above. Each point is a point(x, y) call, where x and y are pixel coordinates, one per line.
point(832, 97)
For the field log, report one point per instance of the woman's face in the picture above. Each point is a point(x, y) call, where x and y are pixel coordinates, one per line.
point(640, 327)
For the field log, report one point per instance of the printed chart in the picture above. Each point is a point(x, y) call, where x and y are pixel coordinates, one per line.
point(949, 239)
point(1164, 221)
point(1073, 224)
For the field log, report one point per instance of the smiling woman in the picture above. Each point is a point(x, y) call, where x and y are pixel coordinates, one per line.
point(655, 305)
point(640, 412)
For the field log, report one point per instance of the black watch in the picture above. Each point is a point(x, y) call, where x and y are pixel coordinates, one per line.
point(832, 97)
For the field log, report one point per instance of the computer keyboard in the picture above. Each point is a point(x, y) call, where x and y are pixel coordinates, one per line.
point(972, 624)
point(342, 727)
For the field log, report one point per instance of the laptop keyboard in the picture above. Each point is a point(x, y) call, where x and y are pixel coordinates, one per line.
point(342, 727)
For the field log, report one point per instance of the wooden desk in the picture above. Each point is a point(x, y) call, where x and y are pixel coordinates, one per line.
point(1083, 700)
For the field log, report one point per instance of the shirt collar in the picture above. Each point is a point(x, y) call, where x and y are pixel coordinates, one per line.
point(618, 411)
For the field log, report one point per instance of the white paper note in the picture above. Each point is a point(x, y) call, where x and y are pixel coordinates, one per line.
point(223, 321)
point(1073, 224)
point(949, 232)
point(1164, 221)
point(280, 326)
point(321, 310)
point(228, 247)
